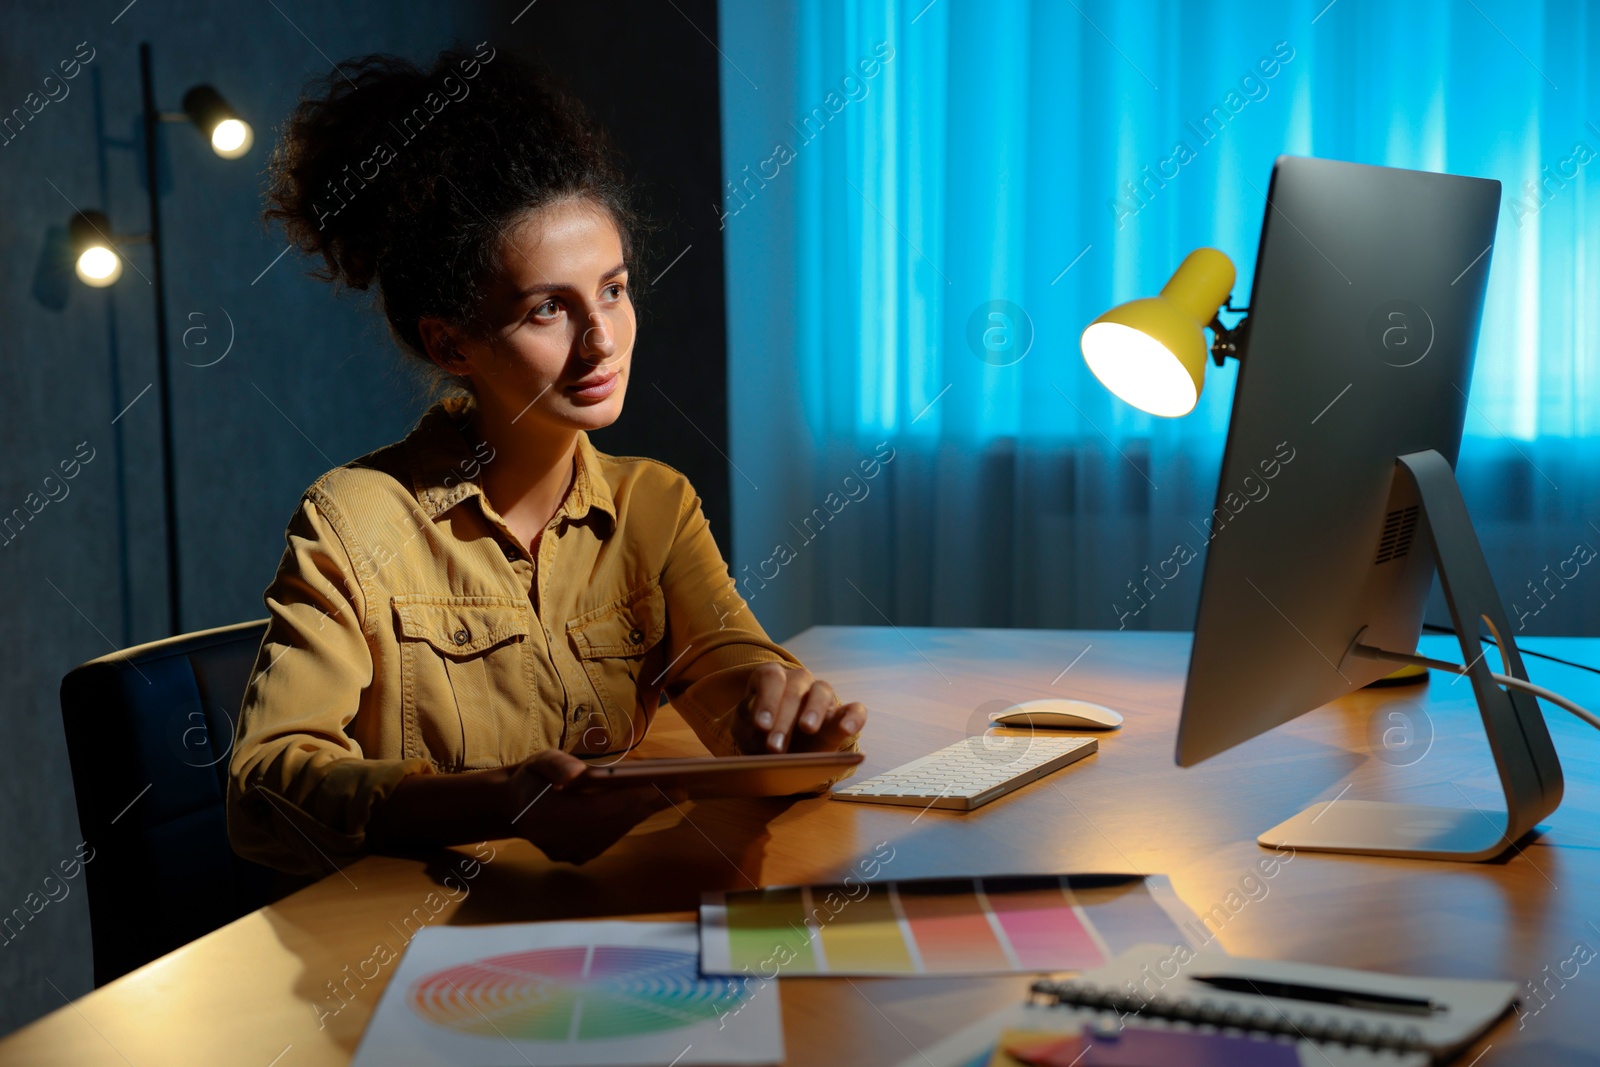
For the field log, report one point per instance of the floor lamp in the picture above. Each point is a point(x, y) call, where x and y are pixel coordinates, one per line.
point(98, 262)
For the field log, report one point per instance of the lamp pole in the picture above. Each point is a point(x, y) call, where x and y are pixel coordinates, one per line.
point(152, 123)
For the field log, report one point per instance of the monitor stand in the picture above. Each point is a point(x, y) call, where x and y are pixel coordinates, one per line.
point(1530, 772)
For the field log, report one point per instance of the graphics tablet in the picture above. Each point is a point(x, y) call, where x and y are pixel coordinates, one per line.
point(777, 775)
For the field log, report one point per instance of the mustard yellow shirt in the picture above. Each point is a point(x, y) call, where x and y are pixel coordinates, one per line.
point(409, 632)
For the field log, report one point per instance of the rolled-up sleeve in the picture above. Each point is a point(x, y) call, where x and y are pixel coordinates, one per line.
point(715, 639)
point(300, 790)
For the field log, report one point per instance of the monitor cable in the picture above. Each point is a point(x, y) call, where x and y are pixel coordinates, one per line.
point(1434, 628)
point(1369, 652)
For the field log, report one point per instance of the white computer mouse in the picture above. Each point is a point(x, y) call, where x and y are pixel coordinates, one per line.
point(1058, 714)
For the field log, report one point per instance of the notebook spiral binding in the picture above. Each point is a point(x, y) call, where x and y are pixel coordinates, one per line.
point(1266, 1019)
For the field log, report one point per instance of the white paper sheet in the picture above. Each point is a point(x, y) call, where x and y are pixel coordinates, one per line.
point(568, 994)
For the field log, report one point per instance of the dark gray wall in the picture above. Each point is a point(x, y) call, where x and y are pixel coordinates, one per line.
point(649, 71)
point(310, 382)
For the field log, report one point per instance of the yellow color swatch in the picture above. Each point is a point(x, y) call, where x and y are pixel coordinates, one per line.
point(865, 937)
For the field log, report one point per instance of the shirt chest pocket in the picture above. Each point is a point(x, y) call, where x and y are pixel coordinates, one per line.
point(622, 650)
point(466, 679)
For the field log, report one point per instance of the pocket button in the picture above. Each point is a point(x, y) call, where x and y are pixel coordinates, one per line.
point(637, 636)
point(461, 636)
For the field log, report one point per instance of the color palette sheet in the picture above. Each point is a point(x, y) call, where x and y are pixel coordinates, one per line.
point(571, 994)
point(1014, 924)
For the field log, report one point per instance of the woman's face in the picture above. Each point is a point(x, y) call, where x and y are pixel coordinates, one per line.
point(560, 320)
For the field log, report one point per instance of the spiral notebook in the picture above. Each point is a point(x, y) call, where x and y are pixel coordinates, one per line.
point(1153, 985)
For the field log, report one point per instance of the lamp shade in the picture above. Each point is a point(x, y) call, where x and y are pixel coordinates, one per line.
point(229, 135)
point(1152, 352)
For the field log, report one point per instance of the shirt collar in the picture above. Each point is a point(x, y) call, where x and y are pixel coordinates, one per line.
point(446, 462)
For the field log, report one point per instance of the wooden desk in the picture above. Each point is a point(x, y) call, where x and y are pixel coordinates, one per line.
point(261, 991)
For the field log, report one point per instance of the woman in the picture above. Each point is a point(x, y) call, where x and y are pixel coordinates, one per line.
point(460, 615)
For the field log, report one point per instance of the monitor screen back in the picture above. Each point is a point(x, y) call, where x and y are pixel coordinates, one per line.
point(1364, 317)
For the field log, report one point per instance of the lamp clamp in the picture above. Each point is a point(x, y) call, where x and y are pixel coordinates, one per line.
point(1229, 341)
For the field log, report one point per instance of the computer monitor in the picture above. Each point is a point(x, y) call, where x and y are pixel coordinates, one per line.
point(1337, 499)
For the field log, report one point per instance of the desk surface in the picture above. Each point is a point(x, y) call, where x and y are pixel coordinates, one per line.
point(262, 990)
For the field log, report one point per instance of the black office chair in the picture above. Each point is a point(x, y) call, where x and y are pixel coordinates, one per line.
point(149, 732)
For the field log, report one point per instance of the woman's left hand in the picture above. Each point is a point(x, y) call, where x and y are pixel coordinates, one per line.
point(789, 710)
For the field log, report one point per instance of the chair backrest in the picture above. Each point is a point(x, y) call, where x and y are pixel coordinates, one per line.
point(149, 732)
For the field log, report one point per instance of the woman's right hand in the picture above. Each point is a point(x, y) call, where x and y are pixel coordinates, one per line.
point(571, 827)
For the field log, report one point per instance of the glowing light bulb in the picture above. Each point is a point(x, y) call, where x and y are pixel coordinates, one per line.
point(1139, 369)
point(99, 266)
point(232, 138)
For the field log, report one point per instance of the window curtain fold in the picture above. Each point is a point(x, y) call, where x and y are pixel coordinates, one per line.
point(926, 202)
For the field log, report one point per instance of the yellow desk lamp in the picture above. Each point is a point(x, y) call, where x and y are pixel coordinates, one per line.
point(1152, 352)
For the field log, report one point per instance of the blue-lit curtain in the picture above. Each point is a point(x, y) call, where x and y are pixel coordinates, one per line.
point(926, 202)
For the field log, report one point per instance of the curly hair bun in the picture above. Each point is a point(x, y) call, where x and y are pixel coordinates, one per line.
point(409, 177)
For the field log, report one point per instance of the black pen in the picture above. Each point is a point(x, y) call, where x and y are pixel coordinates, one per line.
point(1345, 998)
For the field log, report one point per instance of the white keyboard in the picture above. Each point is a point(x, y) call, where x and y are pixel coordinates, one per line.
point(970, 773)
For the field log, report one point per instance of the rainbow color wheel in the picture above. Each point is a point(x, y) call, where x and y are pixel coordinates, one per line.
point(580, 993)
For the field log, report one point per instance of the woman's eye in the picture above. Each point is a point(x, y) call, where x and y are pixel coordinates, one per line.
point(546, 310)
point(616, 290)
